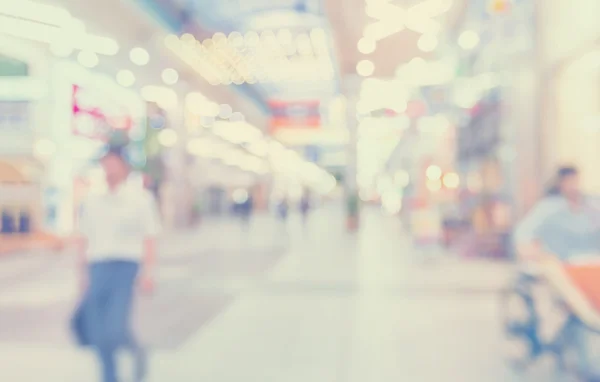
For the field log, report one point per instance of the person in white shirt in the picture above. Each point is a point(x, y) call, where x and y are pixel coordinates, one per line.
point(118, 230)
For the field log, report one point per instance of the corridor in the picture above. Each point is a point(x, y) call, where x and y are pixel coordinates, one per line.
point(277, 304)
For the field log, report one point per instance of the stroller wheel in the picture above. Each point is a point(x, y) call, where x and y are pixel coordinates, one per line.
point(520, 343)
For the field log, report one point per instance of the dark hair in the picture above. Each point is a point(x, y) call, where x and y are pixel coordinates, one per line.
point(561, 174)
point(116, 151)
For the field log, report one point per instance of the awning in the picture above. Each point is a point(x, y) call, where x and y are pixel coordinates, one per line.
point(20, 170)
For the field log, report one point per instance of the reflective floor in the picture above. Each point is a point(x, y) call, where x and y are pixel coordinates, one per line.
point(275, 304)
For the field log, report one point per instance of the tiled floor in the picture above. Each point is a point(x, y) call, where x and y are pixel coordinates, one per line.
point(312, 304)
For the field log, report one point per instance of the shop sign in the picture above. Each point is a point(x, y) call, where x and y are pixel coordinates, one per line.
point(96, 117)
point(10, 67)
point(14, 116)
point(305, 114)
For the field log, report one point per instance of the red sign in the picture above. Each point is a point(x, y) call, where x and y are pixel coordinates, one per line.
point(416, 109)
point(96, 117)
point(293, 114)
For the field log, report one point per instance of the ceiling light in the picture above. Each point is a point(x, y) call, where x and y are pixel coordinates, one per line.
point(125, 78)
point(38, 12)
point(225, 111)
point(319, 38)
point(428, 43)
point(170, 76)
point(236, 117)
point(285, 37)
point(468, 40)
point(87, 58)
point(212, 109)
point(366, 45)
point(44, 148)
point(188, 37)
point(26, 28)
point(451, 180)
point(167, 137)
point(251, 39)
point(165, 97)
point(303, 44)
point(434, 185)
point(61, 49)
point(433, 172)
point(102, 45)
point(236, 40)
point(200, 147)
point(365, 68)
point(171, 41)
point(139, 56)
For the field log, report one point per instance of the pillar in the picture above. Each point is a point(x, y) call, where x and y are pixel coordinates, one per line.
point(176, 197)
point(351, 90)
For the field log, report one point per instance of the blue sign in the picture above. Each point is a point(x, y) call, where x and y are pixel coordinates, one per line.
point(312, 153)
point(173, 18)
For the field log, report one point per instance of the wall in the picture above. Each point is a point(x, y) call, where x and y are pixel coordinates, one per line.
point(567, 26)
point(577, 94)
point(569, 86)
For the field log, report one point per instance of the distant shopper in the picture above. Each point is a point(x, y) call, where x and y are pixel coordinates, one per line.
point(246, 210)
point(118, 230)
point(283, 209)
point(305, 207)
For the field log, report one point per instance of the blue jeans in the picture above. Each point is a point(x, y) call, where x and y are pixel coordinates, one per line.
point(109, 301)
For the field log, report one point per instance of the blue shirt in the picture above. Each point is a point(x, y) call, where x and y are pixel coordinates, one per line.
point(560, 229)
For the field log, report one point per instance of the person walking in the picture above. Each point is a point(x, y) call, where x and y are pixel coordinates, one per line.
point(283, 209)
point(118, 230)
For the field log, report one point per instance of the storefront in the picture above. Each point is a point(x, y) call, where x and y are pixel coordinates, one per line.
point(485, 203)
point(22, 102)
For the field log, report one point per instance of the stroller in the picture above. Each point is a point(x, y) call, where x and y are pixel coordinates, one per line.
point(575, 291)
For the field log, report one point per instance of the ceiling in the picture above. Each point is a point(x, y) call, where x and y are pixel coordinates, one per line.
point(338, 24)
point(396, 24)
point(349, 21)
point(135, 30)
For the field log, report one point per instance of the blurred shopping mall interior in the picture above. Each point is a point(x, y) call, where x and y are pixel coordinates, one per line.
point(412, 130)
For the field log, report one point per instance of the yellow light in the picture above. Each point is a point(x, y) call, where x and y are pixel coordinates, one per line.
point(402, 179)
point(433, 173)
point(170, 76)
point(428, 43)
point(125, 78)
point(171, 41)
point(468, 40)
point(285, 37)
point(167, 138)
point(434, 185)
point(87, 59)
point(44, 148)
point(451, 180)
point(139, 56)
point(188, 37)
point(365, 68)
point(498, 6)
point(366, 45)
